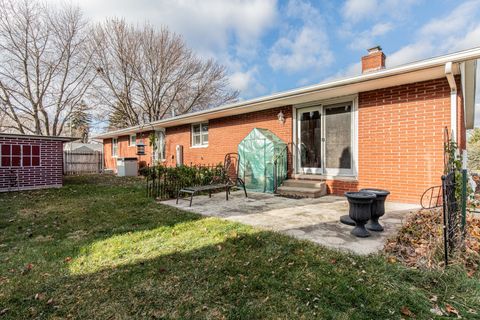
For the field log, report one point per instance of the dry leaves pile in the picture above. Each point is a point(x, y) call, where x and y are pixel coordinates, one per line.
point(419, 242)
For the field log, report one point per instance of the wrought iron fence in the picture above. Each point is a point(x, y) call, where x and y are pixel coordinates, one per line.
point(163, 182)
point(454, 185)
point(451, 195)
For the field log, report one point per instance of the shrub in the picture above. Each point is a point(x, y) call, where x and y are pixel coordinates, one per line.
point(164, 182)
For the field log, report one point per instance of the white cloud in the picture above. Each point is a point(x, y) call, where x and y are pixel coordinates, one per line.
point(456, 31)
point(303, 47)
point(353, 69)
point(228, 31)
point(386, 14)
point(456, 21)
point(205, 24)
point(409, 53)
point(367, 38)
point(242, 80)
point(354, 11)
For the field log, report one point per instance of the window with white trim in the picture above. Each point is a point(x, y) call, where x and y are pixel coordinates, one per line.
point(200, 134)
point(132, 141)
point(114, 147)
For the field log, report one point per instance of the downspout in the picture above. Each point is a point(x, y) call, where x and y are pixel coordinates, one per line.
point(453, 98)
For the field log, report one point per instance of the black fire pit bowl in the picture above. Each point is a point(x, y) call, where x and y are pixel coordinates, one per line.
point(378, 208)
point(360, 204)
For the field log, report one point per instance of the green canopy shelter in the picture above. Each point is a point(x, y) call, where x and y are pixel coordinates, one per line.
point(258, 152)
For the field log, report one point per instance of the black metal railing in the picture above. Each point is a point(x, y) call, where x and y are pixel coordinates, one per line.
point(454, 198)
point(280, 161)
point(163, 183)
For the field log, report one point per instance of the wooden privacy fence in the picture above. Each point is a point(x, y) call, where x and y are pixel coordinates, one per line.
point(82, 162)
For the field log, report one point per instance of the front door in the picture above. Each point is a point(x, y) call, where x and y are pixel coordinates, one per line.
point(325, 139)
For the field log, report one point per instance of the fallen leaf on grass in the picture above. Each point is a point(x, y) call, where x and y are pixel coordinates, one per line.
point(436, 311)
point(392, 259)
point(39, 296)
point(3, 311)
point(406, 312)
point(27, 268)
point(451, 310)
point(68, 259)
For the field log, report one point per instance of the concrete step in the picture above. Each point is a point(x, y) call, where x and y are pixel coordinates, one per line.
point(314, 177)
point(302, 192)
point(315, 184)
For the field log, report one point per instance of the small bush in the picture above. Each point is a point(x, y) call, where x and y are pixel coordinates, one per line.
point(164, 182)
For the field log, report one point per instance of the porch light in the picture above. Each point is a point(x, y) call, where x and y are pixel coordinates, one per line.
point(281, 117)
point(140, 148)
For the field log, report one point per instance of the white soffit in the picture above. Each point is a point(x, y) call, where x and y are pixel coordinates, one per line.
point(414, 72)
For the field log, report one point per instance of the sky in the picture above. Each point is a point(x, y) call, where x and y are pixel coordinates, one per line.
point(270, 46)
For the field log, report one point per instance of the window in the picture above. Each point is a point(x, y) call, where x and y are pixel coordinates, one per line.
point(200, 134)
point(19, 155)
point(132, 142)
point(114, 147)
point(159, 147)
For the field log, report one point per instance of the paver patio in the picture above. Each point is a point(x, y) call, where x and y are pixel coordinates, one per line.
point(316, 220)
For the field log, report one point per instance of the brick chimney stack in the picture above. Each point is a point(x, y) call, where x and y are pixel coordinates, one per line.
point(374, 60)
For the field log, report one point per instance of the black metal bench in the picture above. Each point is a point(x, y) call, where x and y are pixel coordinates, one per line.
point(230, 167)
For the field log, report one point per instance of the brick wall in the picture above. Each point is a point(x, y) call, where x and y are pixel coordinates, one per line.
point(401, 138)
point(125, 150)
point(48, 174)
point(225, 134)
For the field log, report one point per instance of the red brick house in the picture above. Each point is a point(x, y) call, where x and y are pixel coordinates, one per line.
point(383, 128)
point(30, 162)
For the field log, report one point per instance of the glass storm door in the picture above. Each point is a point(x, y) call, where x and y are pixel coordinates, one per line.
point(310, 140)
point(338, 139)
point(325, 140)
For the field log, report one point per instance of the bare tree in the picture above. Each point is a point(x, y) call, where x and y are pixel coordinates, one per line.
point(146, 75)
point(45, 69)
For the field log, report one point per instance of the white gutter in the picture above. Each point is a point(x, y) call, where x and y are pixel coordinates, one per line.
point(411, 67)
point(449, 73)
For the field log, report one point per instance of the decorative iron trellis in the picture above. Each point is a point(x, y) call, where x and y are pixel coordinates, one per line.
point(451, 196)
point(454, 199)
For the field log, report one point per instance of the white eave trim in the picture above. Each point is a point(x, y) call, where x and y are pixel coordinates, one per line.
point(249, 105)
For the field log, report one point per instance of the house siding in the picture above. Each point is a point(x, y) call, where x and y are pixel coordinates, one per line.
point(124, 150)
point(224, 135)
point(400, 138)
point(49, 174)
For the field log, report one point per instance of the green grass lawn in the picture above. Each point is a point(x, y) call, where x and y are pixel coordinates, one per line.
point(99, 249)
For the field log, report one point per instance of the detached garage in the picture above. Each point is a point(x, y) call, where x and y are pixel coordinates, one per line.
point(30, 162)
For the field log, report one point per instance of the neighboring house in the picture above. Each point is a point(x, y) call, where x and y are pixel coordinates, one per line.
point(30, 162)
point(381, 129)
point(79, 147)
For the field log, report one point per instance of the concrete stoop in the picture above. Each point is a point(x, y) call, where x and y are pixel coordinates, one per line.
point(303, 188)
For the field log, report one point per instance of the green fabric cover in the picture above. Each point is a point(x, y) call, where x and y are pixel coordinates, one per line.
point(257, 151)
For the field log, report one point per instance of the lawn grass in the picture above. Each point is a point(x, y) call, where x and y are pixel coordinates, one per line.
point(99, 249)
